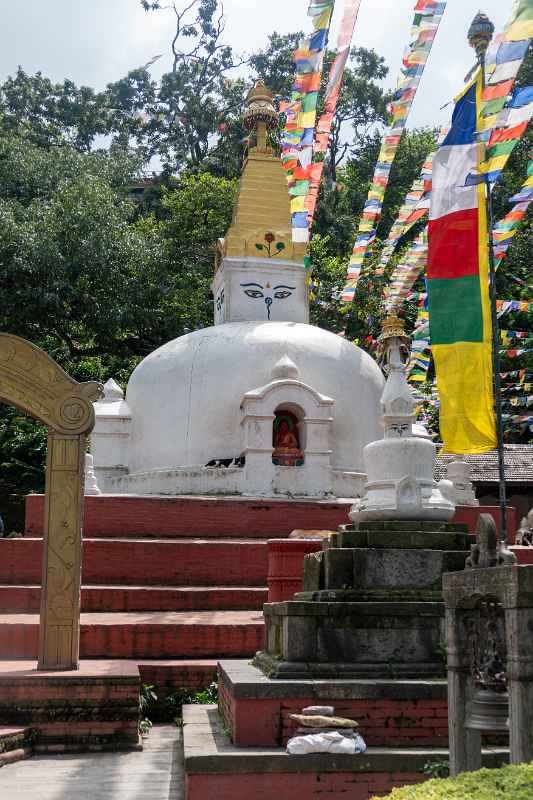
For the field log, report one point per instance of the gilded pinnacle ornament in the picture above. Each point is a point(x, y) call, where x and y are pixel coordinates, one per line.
point(480, 34)
point(260, 114)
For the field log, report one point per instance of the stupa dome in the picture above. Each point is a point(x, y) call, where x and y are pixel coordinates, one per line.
point(185, 398)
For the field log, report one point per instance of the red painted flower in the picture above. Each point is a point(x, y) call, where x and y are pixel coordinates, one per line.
point(269, 237)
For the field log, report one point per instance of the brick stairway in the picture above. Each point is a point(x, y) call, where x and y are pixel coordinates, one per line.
point(173, 584)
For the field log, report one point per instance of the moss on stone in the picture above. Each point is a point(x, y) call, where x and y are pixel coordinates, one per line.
point(507, 783)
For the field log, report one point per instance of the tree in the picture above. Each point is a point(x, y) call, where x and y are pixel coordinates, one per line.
point(83, 271)
point(51, 114)
point(197, 102)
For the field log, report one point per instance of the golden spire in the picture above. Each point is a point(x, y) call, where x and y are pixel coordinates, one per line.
point(260, 116)
point(261, 225)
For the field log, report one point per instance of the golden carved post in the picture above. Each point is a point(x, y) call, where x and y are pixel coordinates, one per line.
point(32, 381)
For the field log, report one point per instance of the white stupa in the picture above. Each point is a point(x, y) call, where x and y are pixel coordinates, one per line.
point(262, 403)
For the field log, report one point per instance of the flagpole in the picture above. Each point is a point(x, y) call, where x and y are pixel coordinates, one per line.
point(479, 37)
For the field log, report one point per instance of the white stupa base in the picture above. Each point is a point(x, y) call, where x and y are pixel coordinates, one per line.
point(400, 483)
point(202, 481)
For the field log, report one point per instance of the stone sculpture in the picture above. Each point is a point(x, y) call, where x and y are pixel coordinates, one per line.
point(524, 536)
point(488, 551)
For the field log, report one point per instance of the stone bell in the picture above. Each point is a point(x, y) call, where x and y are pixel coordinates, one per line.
point(488, 711)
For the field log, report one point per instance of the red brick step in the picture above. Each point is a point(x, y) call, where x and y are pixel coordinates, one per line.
point(149, 635)
point(26, 599)
point(145, 562)
point(134, 515)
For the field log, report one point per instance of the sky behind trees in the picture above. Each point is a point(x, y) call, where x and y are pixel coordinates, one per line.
point(96, 42)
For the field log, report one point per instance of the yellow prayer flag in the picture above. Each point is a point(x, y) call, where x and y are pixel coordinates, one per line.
point(297, 204)
point(520, 30)
point(321, 21)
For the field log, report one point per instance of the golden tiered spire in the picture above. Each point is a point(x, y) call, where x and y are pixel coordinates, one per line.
point(261, 225)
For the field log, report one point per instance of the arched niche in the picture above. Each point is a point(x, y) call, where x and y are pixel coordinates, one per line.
point(37, 386)
point(288, 436)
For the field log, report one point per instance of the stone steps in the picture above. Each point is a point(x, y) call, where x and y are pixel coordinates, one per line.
point(170, 584)
point(148, 635)
point(238, 773)
point(15, 744)
point(146, 562)
point(26, 599)
point(217, 517)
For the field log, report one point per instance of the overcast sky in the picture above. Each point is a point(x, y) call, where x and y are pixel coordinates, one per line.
point(94, 42)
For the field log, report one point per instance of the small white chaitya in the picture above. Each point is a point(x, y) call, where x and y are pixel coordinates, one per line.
point(457, 487)
point(91, 486)
point(262, 403)
point(399, 468)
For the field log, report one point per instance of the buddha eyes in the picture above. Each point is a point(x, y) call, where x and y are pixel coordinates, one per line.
point(256, 291)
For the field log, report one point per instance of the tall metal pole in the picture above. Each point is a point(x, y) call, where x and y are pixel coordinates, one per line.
point(479, 37)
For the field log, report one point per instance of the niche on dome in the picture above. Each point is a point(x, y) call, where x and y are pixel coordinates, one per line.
point(287, 437)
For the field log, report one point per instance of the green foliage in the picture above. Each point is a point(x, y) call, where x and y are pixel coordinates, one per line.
point(147, 701)
point(205, 697)
point(160, 707)
point(437, 768)
point(507, 783)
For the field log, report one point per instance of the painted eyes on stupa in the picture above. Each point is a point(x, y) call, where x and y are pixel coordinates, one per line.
point(256, 291)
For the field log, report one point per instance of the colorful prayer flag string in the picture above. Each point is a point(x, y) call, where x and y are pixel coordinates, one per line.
point(333, 89)
point(406, 274)
point(300, 114)
point(428, 15)
point(504, 230)
point(503, 121)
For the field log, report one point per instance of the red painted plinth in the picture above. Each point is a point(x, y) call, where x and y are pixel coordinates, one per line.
point(293, 786)
point(393, 714)
point(469, 515)
point(382, 722)
point(133, 515)
point(286, 566)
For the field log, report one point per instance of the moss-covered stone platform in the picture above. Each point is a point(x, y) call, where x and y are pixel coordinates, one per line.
point(371, 605)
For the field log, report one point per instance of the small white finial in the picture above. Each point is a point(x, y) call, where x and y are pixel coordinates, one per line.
point(91, 486)
point(285, 369)
point(112, 392)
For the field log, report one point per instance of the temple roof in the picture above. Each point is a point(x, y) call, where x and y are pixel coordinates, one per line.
point(484, 466)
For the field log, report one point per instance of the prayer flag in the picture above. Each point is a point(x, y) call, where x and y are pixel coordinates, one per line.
point(458, 287)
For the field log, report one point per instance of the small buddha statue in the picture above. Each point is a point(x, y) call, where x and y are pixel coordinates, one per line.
point(287, 452)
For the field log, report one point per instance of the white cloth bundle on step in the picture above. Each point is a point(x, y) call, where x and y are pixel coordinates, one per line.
point(326, 743)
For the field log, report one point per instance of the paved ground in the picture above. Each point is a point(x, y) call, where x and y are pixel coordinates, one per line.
point(154, 774)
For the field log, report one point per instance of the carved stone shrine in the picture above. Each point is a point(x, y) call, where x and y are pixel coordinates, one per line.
point(503, 664)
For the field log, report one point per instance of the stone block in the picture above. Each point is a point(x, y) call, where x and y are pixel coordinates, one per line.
point(409, 525)
point(299, 638)
point(338, 568)
point(413, 569)
point(356, 639)
point(313, 572)
point(405, 540)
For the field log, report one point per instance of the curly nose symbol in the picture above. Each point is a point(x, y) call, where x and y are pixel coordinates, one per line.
point(268, 302)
